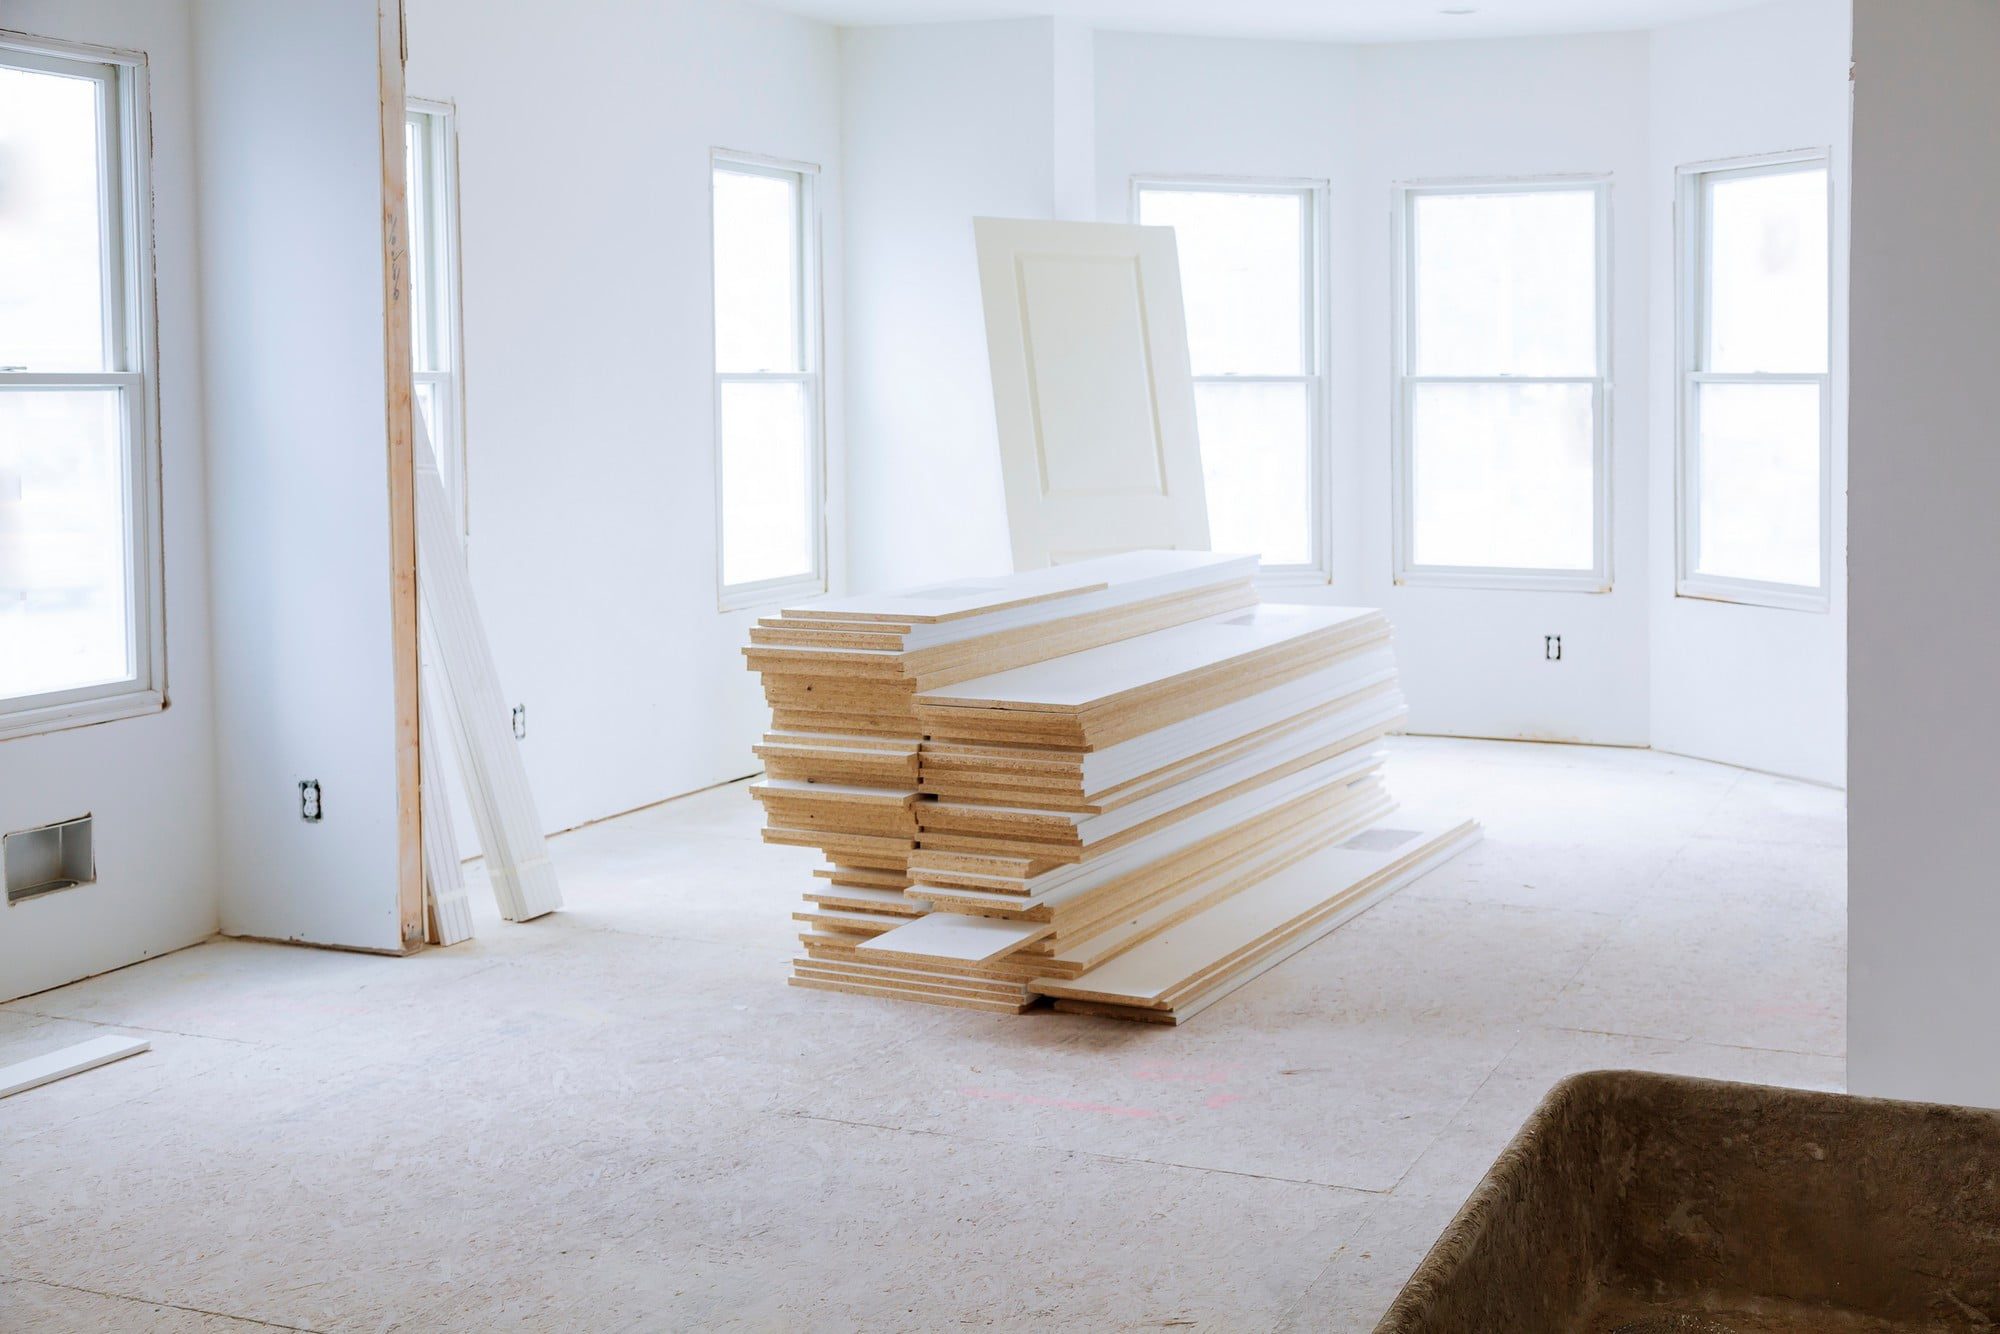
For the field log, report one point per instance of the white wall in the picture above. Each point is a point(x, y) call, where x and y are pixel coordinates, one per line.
point(1923, 633)
point(1748, 685)
point(1472, 660)
point(1363, 118)
point(584, 216)
point(940, 123)
point(149, 782)
point(292, 309)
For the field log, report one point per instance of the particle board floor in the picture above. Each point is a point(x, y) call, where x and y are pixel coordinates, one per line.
point(620, 1117)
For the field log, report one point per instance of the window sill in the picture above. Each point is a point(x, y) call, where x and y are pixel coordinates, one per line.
point(771, 593)
point(36, 720)
point(1520, 581)
point(1749, 593)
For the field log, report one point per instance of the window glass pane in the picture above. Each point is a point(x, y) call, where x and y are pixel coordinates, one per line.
point(1256, 463)
point(1758, 482)
point(1767, 272)
point(767, 482)
point(423, 263)
point(757, 313)
point(51, 227)
point(1501, 475)
point(1242, 277)
point(64, 621)
point(1506, 284)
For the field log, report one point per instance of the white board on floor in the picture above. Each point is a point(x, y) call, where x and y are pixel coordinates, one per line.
point(1092, 393)
point(955, 936)
point(51, 1066)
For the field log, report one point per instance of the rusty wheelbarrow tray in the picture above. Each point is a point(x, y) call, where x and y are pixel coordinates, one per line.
point(1636, 1203)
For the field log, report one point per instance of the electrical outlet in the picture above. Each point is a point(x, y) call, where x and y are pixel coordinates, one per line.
point(520, 722)
point(309, 804)
point(1552, 647)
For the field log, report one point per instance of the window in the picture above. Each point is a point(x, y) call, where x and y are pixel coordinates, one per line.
point(1755, 493)
point(80, 623)
point(430, 161)
point(1502, 475)
point(770, 463)
point(1249, 256)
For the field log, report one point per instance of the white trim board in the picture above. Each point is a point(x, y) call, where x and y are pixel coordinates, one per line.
point(66, 1061)
point(1243, 928)
point(954, 937)
point(1099, 676)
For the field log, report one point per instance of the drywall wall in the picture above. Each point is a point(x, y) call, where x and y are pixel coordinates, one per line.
point(148, 781)
point(1364, 118)
point(940, 123)
point(588, 354)
point(1472, 659)
point(1182, 106)
point(292, 314)
point(1923, 637)
point(1755, 686)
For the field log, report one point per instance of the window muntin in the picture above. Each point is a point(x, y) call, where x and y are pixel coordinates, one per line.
point(769, 442)
point(430, 166)
point(1755, 495)
point(79, 555)
point(1501, 449)
point(1249, 261)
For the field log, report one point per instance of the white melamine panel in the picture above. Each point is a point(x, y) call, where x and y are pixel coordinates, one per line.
point(1091, 388)
point(1079, 680)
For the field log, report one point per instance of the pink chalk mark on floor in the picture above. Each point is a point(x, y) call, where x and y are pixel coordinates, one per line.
point(1066, 1104)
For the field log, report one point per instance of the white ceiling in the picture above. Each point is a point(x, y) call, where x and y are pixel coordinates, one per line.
point(1317, 20)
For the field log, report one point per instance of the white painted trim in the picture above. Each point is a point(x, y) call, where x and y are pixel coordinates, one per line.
point(132, 339)
point(1316, 336)
point(812, 359)
point(1404, 570)
point(1691, 242)
point(66, 1061)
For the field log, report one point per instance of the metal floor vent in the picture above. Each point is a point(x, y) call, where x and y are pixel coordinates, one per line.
point(42, 861)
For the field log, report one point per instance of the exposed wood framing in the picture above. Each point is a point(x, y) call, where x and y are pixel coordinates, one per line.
point(404, 636)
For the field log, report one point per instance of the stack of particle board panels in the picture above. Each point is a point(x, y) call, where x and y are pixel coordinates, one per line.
point(1106, 805)
point(841, 760)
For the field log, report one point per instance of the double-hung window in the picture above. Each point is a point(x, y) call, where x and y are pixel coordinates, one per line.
point(770, 457)
point(1755, 490)
point(1250, 278)
point(1501, 462)
point(430, 163)
point(80, 580)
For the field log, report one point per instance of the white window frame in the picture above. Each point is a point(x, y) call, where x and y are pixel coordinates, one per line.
point(1692, 243)
point(1315, 336)
point(811, 334)
point(1406, 572)
point(438, 123)
point(125, 144)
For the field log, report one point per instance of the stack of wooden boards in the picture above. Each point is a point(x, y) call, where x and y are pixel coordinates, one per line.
point(1123, 784)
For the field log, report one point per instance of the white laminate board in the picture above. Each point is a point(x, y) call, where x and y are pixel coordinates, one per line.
point(1145, 974)
point(1098, 676)
point(1323, 926)
point(799, 787)
point(63, 1062)
point(1149, 751)
point(955, 936)
point(1066, 882)
point(444, 876)
point(984, 595)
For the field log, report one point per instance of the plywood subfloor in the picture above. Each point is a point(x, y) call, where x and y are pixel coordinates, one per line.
point(621, 1116)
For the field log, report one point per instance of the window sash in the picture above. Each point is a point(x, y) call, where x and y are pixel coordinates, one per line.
point(1406, 572)
point(807, 298)
point(436, 315)
point(124, 158)
point(1313, 343)
point(1692, 221)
